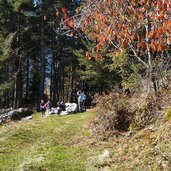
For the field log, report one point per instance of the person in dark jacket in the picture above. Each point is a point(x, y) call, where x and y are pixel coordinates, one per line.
point(42, 107)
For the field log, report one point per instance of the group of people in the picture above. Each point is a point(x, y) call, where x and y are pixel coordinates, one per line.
point(45, 107)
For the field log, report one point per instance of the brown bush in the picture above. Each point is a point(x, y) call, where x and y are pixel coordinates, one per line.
point(145, 113)
point(113, 115)
point(118, 113)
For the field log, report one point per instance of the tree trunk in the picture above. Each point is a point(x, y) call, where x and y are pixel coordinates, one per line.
point(27, 81)
point(54, 78)
point(71, 83)
point(63, 79)
point(18, 79)
point(18, 86)
point(42, 55)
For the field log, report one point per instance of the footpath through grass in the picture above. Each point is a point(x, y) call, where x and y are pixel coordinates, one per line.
point(63, 143)
point(52, 144)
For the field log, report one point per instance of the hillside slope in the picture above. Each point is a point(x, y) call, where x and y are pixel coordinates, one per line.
point(44, 143)
point(65, 143)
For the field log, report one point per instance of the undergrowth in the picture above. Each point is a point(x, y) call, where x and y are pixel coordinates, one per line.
point(112, 115)
point(117, 113)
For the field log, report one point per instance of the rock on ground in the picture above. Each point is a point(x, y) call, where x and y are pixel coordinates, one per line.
point(16, 114)
point(69, 108)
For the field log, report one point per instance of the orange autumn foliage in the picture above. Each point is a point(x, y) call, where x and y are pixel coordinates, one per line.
point(88, 55)
point(112, 21)
point(133, 25)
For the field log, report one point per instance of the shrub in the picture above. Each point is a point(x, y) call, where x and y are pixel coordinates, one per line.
point(113, 115)
point(168, 114)
point(145, 113)
point(117, 113)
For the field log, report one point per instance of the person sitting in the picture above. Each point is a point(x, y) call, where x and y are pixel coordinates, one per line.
point(61, 107)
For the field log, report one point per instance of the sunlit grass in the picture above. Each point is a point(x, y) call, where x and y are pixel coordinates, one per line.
point(44, 143)
point(63, 143)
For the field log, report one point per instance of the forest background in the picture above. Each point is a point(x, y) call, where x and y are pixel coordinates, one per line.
point(50, 49)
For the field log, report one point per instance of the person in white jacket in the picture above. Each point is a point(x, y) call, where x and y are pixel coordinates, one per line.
point(81, 101)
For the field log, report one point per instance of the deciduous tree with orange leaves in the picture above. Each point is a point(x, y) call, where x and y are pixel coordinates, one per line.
point(142, 27)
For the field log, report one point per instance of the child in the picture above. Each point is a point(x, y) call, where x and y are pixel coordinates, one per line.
point(47, 106)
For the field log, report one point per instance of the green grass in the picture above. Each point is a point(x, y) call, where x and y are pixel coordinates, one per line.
point(53, 143)
point(64, 143)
